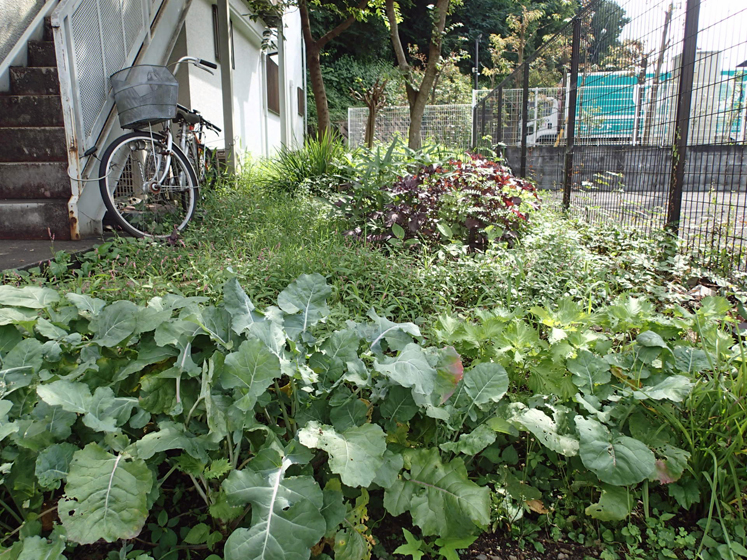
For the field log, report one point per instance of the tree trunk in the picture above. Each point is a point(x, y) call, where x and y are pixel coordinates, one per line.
point(320, 93)
point(313, 52)
point(418, 97)
point(651, 113)
point(370, 127)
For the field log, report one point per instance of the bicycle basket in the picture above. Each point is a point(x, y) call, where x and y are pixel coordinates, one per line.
point(144, 94)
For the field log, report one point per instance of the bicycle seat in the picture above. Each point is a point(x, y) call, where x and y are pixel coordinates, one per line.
point(188, 117)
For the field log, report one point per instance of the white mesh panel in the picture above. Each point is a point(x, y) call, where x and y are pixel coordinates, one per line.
point(111, 30)
point(132, 21)
point(89, 63)
point(450, 125)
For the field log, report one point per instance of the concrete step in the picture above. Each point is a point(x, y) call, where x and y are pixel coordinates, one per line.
point(34, 81)
point(30, 110)
point(48, 33)
point(43, 144)
point(41, 53)
point(34, 219)
point(34, 180)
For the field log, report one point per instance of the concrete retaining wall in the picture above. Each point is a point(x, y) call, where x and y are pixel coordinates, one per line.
point(635, 169)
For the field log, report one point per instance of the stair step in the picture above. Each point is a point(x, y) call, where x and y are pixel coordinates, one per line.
point(48, 33)
point(42, 144)
point(30, 110)
point(34, 180)
point(41, 53)
point(34, 81)
point(34, 219)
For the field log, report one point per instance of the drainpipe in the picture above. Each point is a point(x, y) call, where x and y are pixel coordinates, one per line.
point(226, 79)
point(306, 96)
point(282, 86)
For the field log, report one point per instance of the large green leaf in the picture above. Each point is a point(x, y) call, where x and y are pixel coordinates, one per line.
point(238, 304)
point(398, 406)
point(355, 454)
point(53, 464)
point(485, 383)
point(286, 514)
point(305, 300)
point(27, 355)
point(87, 306)
point(545, 429)
point(172, 436)
point(615, 504)
point(616, 460)
point(409, 369)
point(103, 411)
point(30, 297)
point(440, 497)
point(674, 388)
point(471, 443)
point(105, 496)
point(37, 548)
point(6, 426)
point(252, 369)
point(397, 335)
point(589, 370)
point(71, 396)
point(115, 323)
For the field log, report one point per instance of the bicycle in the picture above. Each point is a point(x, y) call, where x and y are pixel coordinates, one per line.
point(191, 141)
point(147, 182)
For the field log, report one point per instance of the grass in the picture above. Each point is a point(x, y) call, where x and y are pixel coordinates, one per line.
point(267, 240)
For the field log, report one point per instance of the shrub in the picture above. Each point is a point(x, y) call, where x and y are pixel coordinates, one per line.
point(313, 168)
point(455, 202)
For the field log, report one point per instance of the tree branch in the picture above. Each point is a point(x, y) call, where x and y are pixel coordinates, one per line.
point(334, 33)
point(305, 23)
point(404, 66)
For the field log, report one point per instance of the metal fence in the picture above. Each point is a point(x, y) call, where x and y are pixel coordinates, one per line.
point(636, 113)
point(450, 125)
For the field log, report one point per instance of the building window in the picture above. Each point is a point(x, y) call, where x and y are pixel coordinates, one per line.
point(216, 38)
point(273, 87)
point(301, 101)
point(232, 47)
point(215, 33)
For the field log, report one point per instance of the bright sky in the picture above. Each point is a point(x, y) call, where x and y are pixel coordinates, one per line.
point(722, 27)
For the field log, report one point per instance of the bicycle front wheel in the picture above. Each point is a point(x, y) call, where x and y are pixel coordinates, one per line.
point(146, 192)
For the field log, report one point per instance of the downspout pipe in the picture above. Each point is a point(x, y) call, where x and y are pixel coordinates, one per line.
point(282, 89)
point(226, 78)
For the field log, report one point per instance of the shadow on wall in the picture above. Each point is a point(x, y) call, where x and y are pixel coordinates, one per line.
point(15, 16)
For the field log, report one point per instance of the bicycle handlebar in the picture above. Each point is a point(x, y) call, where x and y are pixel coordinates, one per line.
point(209, 64)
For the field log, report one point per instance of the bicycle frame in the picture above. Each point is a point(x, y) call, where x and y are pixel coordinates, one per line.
point(169, 136)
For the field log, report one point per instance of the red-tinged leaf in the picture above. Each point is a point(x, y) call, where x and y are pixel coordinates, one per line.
point(450, 368)
point(662, 473)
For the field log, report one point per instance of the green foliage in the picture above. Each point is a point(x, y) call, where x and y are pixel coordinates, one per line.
point(460, 202)
point(311, 169)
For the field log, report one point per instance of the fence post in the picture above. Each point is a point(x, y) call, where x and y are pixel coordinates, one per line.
point(474, 127)
point(682, 130)
point(571, 123)
point(524, 117)
point(499, 132)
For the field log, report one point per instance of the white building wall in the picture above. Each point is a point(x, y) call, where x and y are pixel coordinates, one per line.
point(295, 72)
point(257, 130)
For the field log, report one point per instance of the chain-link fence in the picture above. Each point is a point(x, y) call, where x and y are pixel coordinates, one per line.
point(636, 113)
point(450, 125)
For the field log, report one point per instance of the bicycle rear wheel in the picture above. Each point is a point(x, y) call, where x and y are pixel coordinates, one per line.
point(136, 198)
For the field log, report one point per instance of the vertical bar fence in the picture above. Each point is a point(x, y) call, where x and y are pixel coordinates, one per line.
point(636, 114)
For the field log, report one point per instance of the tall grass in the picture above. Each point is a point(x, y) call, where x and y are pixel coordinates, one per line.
point(312, 168)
